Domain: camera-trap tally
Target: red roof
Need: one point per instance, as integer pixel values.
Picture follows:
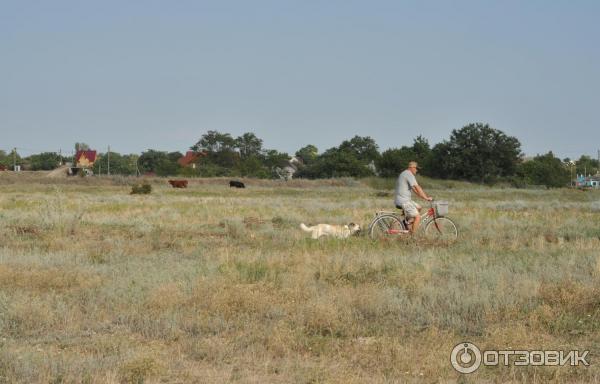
(90, 155)
(190, 157)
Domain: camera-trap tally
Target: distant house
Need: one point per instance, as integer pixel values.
(288, 171)
(2, 167)
(85, 159)
(593, 182)
(190, 159)
(82, 163)
(588, 181)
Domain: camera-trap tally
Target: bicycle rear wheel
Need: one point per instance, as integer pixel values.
(441, 228)
(386, 226)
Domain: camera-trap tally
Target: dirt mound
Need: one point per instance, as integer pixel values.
(58, 172)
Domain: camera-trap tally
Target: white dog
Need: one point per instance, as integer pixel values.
(339, 231)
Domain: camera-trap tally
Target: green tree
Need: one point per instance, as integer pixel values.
(119, 164)
(364, 149)
(335, 162)
(307, 154)
(350, 159)
(210, 169)
(253, 166)
(81, 147)
(274, 158)
(222, 159)
(150, 160)
(248, 145)
(44, 161)
(225, 158)
(7, 159)
(422, 151)
(170, 166)
(214, 141)
(478, 153)
(545, 170)
(587, 165)
(159, 162)
(395, 160)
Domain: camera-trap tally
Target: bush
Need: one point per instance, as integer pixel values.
(141, 189)
(138, 370)
(476, 152)
(546, 170)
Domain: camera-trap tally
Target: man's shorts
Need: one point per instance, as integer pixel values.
(411, 209)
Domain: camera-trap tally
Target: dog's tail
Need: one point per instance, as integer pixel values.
(304, 227)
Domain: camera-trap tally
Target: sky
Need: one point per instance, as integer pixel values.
(158, 74)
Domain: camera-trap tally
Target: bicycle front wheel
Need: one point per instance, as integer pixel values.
(441, 228)
(386, 226)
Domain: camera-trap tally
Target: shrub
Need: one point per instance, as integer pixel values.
(138, 370)
(141, 189)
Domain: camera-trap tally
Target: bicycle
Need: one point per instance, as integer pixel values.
(435, 224)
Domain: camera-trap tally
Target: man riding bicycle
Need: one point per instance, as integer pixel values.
(404, 185)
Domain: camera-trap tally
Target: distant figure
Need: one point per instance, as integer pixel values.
(405, 184)
(178, 183)
(237, 184)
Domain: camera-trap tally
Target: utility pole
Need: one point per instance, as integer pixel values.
(14, 159)
(108, 157)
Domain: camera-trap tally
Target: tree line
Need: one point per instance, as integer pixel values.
(475, 152)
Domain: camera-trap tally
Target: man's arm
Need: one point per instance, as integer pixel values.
(419, 191)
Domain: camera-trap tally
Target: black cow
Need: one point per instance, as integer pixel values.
(237, 184)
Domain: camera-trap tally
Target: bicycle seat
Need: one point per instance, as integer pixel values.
(399, 207)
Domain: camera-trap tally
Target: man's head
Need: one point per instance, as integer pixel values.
(413, 167)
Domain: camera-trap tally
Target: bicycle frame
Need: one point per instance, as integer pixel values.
(386, 223)
(429, 216)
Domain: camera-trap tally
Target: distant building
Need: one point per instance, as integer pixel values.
(190, 159)
(85, 159)
(373, 168)
(287, 172)
(588, 181)
(83, 163)
(2, 167)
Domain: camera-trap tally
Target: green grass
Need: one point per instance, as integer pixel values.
(212, 284)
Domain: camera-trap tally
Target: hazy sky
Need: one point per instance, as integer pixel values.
(158, 74)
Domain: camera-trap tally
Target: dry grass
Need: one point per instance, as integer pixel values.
(212, 284)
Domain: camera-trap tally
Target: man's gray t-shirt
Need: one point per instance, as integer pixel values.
(406, 181)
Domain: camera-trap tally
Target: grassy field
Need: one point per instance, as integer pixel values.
(212, 284)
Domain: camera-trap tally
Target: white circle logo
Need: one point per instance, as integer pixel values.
(465, 357)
